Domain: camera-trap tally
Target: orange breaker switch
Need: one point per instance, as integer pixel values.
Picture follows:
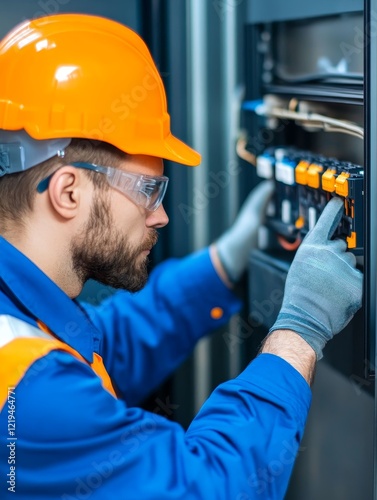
(314, 179)
(341, 184)
(301, 172)
(351, 240)
(328, 180)
(300, 222)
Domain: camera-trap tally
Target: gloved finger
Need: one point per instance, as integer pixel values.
(255, 205)
(259, 196)
(328, 221)
(339, 247)
(350, 259)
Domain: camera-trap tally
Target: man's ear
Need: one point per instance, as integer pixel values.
(65, 191)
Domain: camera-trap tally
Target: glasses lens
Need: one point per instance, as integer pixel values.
(144, 190)
(150, 192)
(157, 195)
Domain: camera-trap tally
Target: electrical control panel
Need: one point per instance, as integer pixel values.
(305, 182)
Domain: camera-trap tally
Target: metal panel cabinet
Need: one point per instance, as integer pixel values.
(323, 56)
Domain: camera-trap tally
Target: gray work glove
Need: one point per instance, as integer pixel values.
(234, 246)
(323, 290)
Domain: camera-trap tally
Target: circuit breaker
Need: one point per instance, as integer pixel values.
(304, 183)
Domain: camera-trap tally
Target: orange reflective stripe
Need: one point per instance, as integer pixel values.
(97, 366)
(17, 356)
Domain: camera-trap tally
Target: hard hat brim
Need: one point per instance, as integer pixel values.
(177, 151)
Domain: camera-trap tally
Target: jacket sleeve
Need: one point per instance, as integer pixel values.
(146, 335)
(74, 440)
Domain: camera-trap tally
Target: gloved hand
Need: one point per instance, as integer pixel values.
(234, 245)
(323, 290)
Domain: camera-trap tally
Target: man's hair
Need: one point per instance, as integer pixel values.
(18, 191)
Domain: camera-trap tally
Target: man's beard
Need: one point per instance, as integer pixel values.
(106, 256)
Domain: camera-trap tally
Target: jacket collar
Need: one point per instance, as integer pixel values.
(32, 290)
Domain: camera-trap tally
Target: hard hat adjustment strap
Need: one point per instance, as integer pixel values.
(11, 158)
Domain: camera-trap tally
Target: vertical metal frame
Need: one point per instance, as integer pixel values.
(214, 103)
(198, 73)
(370, 102)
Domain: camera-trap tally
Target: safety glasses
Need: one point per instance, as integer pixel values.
(145, 190)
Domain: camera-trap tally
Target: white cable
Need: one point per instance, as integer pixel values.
(314, 120)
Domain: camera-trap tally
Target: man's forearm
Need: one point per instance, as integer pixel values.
(293, 349)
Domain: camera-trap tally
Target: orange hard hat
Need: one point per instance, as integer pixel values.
(76, 75)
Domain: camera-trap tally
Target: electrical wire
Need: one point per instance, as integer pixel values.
(313, 120)
(329, 128)
(307, 120)
(291, 247)
(244, 153)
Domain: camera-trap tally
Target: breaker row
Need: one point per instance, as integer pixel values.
(305, 182)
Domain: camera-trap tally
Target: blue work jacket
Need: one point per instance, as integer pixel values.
(73, 440)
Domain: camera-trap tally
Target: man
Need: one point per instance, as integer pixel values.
(84, 129)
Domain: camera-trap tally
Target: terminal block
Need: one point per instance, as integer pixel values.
(305, 182)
